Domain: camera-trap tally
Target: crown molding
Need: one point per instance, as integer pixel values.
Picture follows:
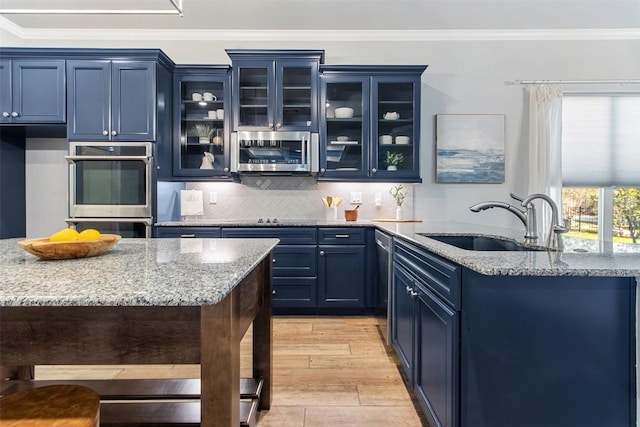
(321, 35)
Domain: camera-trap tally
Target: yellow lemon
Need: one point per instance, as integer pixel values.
(64, 235)
(89, 234)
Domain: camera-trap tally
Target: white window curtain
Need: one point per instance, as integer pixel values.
(545, 148)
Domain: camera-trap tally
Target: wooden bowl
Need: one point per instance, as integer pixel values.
(45, 249)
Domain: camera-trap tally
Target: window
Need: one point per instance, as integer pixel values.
(601, 166)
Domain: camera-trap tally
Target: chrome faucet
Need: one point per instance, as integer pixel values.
(527, 216)
(554, 239)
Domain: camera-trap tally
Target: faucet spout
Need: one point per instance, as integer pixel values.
(493, 204)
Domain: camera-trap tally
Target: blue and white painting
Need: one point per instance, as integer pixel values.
(470, 148)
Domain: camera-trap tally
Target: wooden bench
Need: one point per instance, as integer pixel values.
(52, 405)
(141, 402)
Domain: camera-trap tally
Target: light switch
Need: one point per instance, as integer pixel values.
(213, 198)
(356, 197)
(378, 199)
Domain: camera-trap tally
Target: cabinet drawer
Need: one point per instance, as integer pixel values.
(341, 236)
(440, 275)
(294, 292)
(294, 261)
(186, 232)
(287, 235)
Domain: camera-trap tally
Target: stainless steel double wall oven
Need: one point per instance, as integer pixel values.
(111, 187)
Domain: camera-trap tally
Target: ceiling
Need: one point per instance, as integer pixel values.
(334, 16)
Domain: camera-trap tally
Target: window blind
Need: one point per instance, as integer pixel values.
(601, 140)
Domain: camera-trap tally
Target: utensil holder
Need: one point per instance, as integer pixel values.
(332, 214)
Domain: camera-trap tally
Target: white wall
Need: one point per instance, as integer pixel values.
(46, 185)
(463, 77)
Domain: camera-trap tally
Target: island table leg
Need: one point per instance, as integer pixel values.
(220, 364)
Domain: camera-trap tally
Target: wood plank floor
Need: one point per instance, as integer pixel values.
(328, 371)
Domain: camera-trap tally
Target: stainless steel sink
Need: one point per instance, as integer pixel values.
(473, 242)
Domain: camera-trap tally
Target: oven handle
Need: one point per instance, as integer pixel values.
(72, 159)
(145, 221)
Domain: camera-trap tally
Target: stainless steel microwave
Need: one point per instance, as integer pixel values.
(274, 152)
(110, 179)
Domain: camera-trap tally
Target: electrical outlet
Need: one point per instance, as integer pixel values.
(213, 198)
(377, 199)
(356, 197)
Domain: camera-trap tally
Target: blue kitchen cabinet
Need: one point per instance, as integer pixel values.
(188, 232)
(193, 112)
(275, 90)
(385, 123)
(341, 267)
(499, 351)
(111, 100)
(12, 182)
(32, 91)
(425, 331)
(294, 268)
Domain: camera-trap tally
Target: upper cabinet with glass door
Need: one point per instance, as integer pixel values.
(379, 141)
(275, 90)
(201, 134)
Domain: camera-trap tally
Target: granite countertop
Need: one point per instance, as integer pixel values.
(581, 257)
(135, 272)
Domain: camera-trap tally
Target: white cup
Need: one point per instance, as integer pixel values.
(386, 139)
(220, 113)
(196, 96)
(212, 114)
(208, 96)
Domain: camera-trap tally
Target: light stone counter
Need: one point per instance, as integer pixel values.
(135, 272)
(581, 257)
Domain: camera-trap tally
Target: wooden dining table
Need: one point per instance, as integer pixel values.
(146, 301)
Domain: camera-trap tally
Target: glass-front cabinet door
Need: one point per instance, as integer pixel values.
(395, 127)
(297, 95)
(371, 123)
(275, 90)
(344, 149)
(201, 142)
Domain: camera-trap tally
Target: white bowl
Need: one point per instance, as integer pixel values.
(343, 112)
(402, 139)
(386, 139)
(342, 138)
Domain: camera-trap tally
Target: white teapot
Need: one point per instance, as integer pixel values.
(207, 161)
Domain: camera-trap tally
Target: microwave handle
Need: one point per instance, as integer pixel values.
(72, 159)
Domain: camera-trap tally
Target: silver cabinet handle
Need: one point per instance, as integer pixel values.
(14, 114)
(274, 260)
(322, 253)
(323, 170)
(187, 236)
(374, 170)
(226, 169)
(342, 236)
(270, 125)
(273, 292)
(413, 293)
(5, 114)
(105, 132)
(278, 125)
(408, 289)
(114, 133)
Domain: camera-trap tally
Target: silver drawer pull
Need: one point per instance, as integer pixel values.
(342, 236)
(187, 236)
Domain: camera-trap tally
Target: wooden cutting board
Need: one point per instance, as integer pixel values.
(395, 220)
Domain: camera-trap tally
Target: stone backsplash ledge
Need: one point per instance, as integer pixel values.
(284, 198)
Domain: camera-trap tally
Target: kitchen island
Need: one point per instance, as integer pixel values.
(154, 301)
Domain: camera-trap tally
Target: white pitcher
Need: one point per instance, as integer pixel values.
(207, 161)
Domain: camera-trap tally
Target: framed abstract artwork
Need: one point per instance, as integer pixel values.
(470, 148)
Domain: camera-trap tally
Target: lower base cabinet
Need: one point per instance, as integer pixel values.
(425, 336)
(341, 279)
(504, 351)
